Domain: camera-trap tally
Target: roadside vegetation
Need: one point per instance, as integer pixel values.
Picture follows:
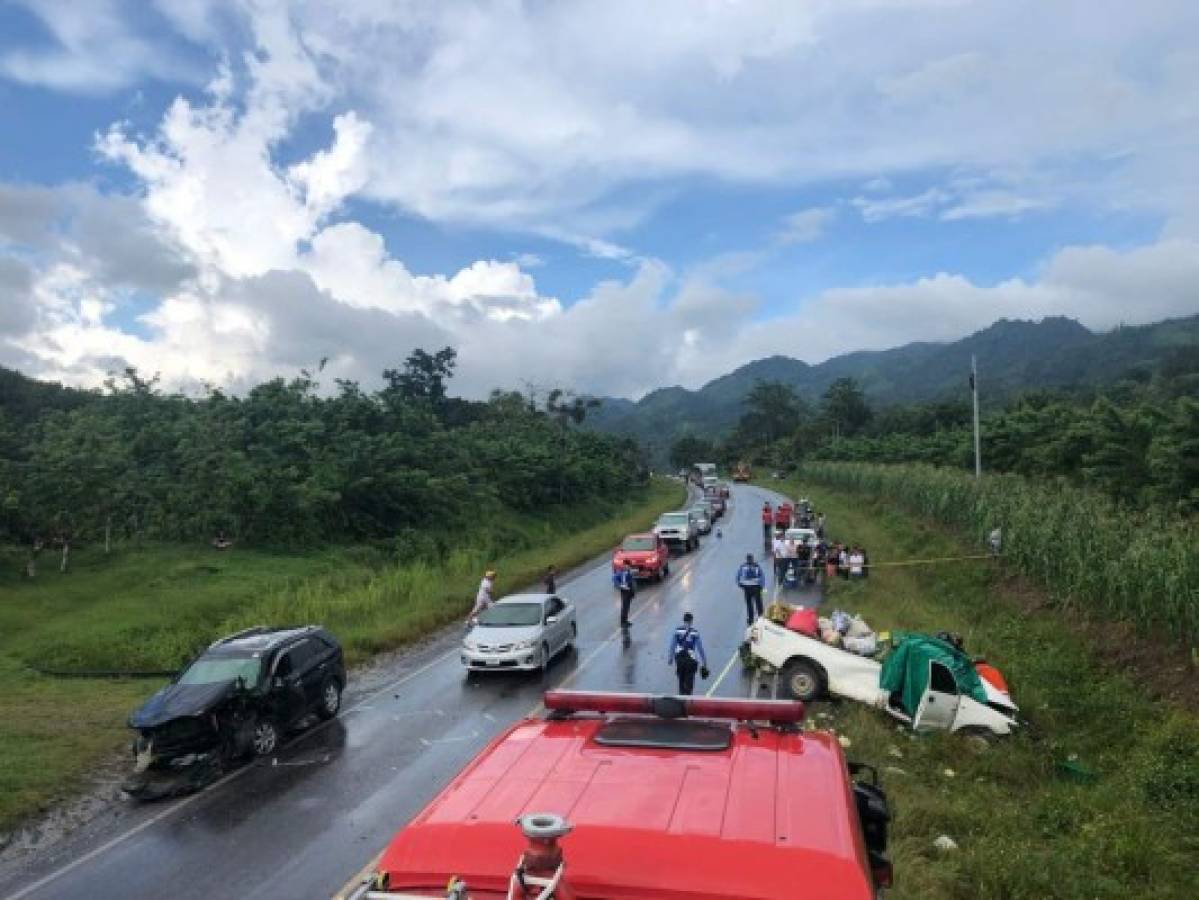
(1099, 798)
(153, 607)
(1134, 440)
(1091, 553)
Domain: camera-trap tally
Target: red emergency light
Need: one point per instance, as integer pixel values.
(669, 707)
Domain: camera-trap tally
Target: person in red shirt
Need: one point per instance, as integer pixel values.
(767, 521)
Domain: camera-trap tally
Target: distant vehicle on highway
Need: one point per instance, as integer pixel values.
(742, 472)
(648, 553)
(705, 515)
(716, 499)
(520, 632)
(236, 699)
(678, 529)
(668, 797)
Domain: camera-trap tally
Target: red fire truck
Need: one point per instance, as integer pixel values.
(621, 796)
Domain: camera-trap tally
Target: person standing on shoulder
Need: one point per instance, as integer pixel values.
(686, 654)
(751, 580)
(767, 520)
(550, 580)
(485, 596)
(779, 551)
(626, 582)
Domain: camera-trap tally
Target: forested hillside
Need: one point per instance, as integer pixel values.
(1014, 357)
(1135, 439)
(287, 464)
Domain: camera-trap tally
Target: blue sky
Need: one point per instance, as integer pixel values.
(588, 194)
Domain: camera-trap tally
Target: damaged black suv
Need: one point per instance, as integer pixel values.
(235, 700)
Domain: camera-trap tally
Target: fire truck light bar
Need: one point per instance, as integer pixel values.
(776, 711)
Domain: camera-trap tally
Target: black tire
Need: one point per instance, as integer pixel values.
(574, 634)
(977, 738)
(545, 657)
(666, 570)
(264, 737)
(802, 680)
(329, 704)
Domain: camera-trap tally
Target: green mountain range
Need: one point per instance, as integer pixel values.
(1013, 356)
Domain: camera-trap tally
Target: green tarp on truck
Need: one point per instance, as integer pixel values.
(905, 670)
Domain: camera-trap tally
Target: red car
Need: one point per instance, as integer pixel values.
(621, 796)
(647, 552)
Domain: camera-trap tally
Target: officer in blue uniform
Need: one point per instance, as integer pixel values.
(686, 654)
(751, 580)
(626, 582)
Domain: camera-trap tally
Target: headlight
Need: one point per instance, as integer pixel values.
(469, 645)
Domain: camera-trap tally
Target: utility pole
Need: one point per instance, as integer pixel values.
(978, 460)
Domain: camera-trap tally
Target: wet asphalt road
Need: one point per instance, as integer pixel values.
(301, 825)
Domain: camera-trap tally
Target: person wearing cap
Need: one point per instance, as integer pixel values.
(686, 654)
(483, 598)
(751, 580)
(625, 579)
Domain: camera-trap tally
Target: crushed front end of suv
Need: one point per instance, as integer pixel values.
(236, 699)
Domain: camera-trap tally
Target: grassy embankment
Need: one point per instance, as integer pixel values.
(1024, 828)
(152, 608)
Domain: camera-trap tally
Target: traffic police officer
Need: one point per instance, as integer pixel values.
(686, 654)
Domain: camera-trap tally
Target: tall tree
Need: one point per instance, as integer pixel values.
(843, 406)
(772, 410)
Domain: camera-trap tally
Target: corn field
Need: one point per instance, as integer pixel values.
(1088, 550)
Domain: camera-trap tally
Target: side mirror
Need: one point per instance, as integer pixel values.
(551, 620)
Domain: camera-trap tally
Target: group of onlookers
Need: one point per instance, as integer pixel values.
(810, 560)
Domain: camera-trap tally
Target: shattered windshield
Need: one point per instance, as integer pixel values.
(213, 670)
(510, 614)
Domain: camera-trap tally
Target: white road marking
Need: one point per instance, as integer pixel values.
(450, 740)
(725, 671)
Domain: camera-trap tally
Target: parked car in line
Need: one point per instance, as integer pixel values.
(942, 691)
(713, 497)
(648, 553)
(522, 632)
(238, 698)
(703, 515)
(678, 529)
(667, 798)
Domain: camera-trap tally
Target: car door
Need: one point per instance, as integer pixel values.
(312, 658)
(939, 703)
(558, 629)
(286, 686)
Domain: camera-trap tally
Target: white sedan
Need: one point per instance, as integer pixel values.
(523, 632)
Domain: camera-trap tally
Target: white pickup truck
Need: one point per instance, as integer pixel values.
(810, 668)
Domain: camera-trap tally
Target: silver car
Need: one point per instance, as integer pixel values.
(703, 514)
(523, 632)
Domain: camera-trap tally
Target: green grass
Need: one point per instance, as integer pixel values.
(155, 607)
(1023, 830)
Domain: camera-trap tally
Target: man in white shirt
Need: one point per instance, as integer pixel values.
(857, 560)
(778, 549)
(483, 598)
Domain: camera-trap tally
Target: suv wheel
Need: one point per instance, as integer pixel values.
(545, 657)
(574, 634)
(330, 703)
(264, 738)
